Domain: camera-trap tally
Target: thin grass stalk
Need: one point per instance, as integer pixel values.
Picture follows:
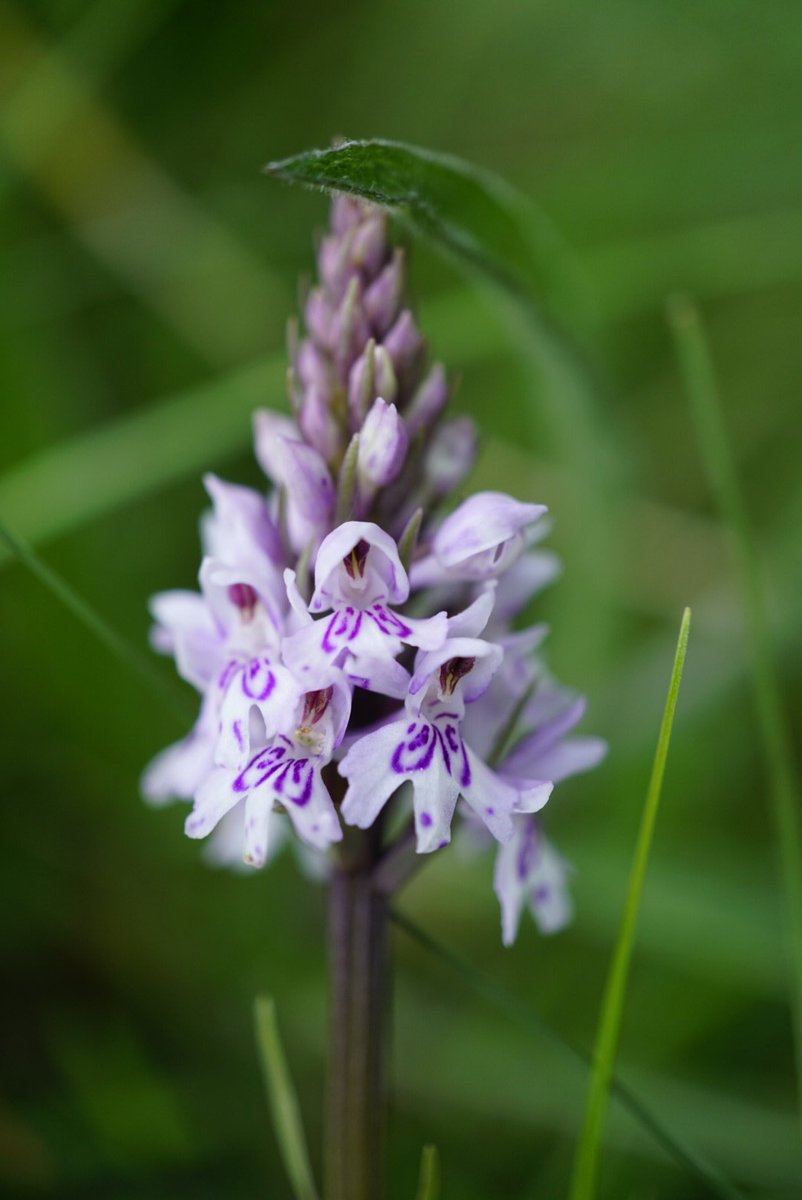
(586, 1163)
(784, 786)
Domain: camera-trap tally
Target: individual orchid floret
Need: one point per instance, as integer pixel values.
(529, 873)
(382, 448)
(240, 531)
(427, 749)
(301, 471)
(359, 575)
(286, 772)
(479, 540)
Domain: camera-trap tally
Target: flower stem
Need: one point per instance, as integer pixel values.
(358, 964)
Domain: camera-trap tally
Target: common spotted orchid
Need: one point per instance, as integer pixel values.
(358, 628)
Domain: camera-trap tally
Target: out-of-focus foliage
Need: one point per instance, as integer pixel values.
(148, 268)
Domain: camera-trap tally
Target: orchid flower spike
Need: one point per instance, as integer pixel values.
(347, 639)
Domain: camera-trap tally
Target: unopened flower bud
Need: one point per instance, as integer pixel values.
(334, 262)
(382, 445)
(345, 213)
(349, 331)
(369, 245)
(405, 344)
(318, 423)
(428, 402)
(371, 376)
(383, 297)
(311, 367)
(451, 455)
(319, 318)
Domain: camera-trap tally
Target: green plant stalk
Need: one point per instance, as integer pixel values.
(429, 1183)
(784, 786)
(283, 1101)
(586, 1163)
(358, 968)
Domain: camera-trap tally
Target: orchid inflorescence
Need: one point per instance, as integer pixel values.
(349, 637)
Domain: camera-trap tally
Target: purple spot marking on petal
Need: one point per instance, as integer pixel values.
(336, 629)
(388, 622)
(237, 728)
(541, 894)
(417, 753)
(527, 854)
(258, 681)
(226, 674)
(490, 810)
(356, 626)
(426, 819)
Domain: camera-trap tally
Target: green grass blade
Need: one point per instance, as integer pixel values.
(64, 486)
(96, 624)
(785, 791)
(429, 1183)
(528, 1019)
(283, 1101)
(586, 1165)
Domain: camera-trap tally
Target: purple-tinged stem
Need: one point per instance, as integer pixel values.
(358, 963)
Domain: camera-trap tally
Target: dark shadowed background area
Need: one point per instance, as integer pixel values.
(147, 269)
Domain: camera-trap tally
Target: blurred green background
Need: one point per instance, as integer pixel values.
(147, 272)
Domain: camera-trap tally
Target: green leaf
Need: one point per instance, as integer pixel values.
(283, 1101)
(527, 1018)
(470, 212)
(586, 1164)
(784, 790)
(429, 1183)
(139, 663)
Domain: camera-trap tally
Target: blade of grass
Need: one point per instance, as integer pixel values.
(283, 1101)
(786, 795)
(429, 1183)
(586, 1164)
(527, 1018)
(96, 624)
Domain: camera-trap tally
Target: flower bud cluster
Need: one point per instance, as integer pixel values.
(351, 643)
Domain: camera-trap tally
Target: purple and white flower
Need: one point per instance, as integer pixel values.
(529, 873)
(480, 540)
(426, 748)
(286, 771)
(358, 578)
(304, 598)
